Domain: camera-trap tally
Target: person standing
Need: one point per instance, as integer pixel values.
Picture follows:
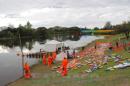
(64, 66)
(74, 53)
(68, 55)
(27, 73)
(44, 59)
(95, 46)
(117, 44)
(49, 60)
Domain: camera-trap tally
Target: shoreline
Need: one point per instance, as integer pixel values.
(21, 76)
(99, 77)
(92, 43)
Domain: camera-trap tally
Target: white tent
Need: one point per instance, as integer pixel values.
(51, 46)
(61, 56)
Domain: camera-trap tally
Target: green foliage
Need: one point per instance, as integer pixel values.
(28, 25)
(123, 28)
(96, 28)
(108, 26)
(28, 35)
(41, 31)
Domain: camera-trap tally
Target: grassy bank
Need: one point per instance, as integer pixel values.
(44, 76)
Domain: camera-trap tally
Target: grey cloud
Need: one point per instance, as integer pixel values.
(20, 5)
(65, 12)
(12, 16)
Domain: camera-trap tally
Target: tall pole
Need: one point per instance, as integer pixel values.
(22, 53)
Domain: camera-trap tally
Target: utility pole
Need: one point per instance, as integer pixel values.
(21, 53)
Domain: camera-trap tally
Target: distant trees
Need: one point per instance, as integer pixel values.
(28, 25)
(107, 26)
(123, 28)
(41, 32)
(25, 31)
(126, 28)
(63, 30)
(120, 28)
(8, 33)
(28, 31)
(96, 28)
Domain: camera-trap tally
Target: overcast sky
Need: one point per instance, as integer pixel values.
(82, 13)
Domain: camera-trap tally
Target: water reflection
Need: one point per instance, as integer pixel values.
(29, 42)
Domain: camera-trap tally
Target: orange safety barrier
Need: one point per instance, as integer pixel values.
(99, 43)
(118, 49)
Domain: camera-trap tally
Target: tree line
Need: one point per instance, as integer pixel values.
(27, 31)
(119, 28)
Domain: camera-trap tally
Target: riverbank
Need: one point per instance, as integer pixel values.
(44, 76)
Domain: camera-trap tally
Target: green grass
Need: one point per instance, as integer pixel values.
(99, 77)
(77, 77)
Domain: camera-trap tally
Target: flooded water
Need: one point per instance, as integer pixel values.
(11, 64)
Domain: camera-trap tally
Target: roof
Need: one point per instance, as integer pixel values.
(52, 45)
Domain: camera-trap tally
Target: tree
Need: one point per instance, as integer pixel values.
(107, 26)
(126, 29)
(26, 30)
(28, 25)
(96, 28)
